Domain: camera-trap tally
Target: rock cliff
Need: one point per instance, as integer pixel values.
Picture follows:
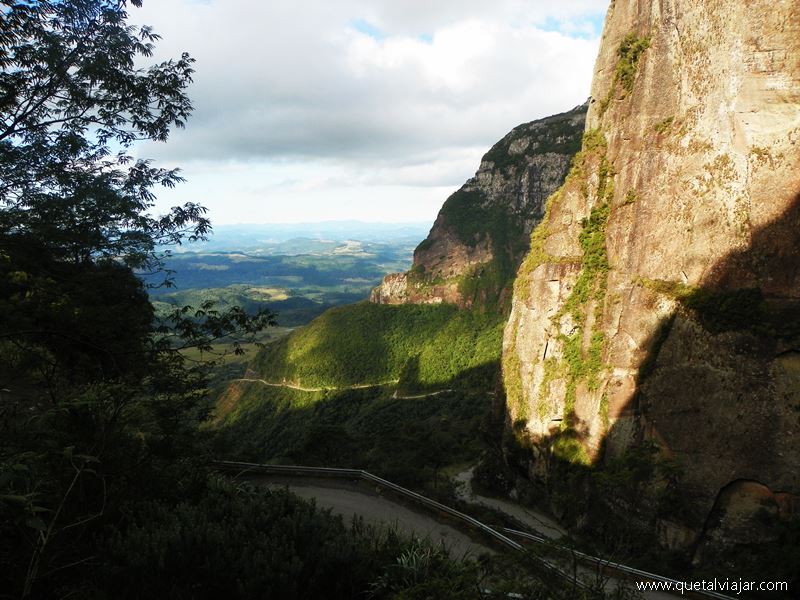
(659, 306)
(482, 231)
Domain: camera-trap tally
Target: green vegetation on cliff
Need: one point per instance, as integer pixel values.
(492, 213)
(579, 363)
(558, 134)
(582, 364)
(629, 53)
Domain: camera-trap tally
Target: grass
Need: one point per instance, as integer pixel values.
(594, 142)
(629, 53)
(604, 411)
(536, 255)
(570, 449)
(595, 265)
(512, 378)
(664, 126)
(552, 371)
(586, 364)
(630, 198)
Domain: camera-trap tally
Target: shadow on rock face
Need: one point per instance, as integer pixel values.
(703, 459)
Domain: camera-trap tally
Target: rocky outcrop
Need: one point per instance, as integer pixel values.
(482, 231)
(660, 301)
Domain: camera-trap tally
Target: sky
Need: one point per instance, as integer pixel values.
(375, 110)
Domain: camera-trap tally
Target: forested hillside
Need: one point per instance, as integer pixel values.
(415, 347)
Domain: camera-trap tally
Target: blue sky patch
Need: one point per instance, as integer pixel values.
(368, 28)
(587, 28)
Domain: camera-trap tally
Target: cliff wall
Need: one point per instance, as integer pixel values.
(482, 231)
(660, 301)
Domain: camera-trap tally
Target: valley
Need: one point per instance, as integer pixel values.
(297, 271)
(333, 392)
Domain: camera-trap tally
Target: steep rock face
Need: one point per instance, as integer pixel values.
(482, 231)
(660, 301)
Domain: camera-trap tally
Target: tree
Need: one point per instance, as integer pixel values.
(94, 392)
(69, 90)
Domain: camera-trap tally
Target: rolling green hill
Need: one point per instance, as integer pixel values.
(419, 346)
(430, 370)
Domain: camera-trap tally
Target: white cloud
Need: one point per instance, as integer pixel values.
(373, 92)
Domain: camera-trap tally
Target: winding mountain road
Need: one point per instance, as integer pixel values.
(536, 520)
(342, 498)
(376, 509)
(356, 386)
(300, 388)
(379, 510)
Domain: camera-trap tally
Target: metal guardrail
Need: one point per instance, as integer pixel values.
(618, 568)
(244, 467)
(624, 570)
(366, 476)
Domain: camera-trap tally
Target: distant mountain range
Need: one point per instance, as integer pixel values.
(248, 236)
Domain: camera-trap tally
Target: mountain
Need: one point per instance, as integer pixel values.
(403, 385)
(652, 356)
(482, 231)
(470, 255)
(275, 237)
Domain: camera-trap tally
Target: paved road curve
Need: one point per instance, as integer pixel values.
(536, 520)
(378, 510)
